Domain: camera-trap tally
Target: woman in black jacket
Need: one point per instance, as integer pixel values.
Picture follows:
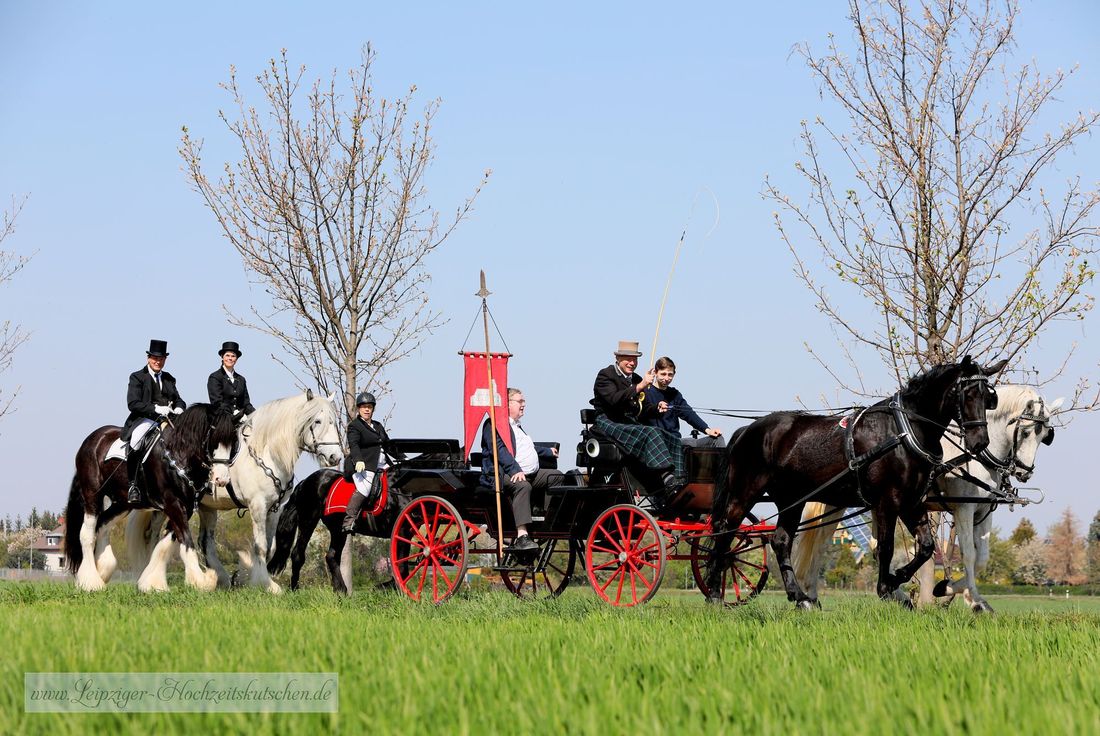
(227, 389)
(367, 440)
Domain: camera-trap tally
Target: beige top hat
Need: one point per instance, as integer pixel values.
(628, 348)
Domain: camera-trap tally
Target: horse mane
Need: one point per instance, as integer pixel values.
(1012, 401)
(187, 437)
(277, 425)
(922, 380)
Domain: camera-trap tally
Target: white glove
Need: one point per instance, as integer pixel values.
(162, 410)
(177, 410)
(360, 466)
(236, 412)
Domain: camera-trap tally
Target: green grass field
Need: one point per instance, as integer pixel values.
(487, 663)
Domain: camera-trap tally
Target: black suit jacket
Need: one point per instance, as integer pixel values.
(365, 444)
(142, 398)
(616, 398)
(226, 395)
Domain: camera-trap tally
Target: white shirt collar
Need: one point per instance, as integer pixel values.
(153, 373)
(620, 372)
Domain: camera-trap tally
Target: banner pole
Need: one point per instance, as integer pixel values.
(484, 293)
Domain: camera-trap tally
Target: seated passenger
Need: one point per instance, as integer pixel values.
(622, 414)
(519, 473)
(677, 407)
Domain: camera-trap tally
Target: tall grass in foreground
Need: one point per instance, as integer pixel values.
(488, 663)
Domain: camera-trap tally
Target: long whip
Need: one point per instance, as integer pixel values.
(676, 257)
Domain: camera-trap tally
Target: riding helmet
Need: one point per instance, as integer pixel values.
(365, 398)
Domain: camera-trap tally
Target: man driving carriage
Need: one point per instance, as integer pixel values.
(622, 413)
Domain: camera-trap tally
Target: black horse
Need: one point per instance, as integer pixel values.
(177, 466)
(883, 458)
(299, 518)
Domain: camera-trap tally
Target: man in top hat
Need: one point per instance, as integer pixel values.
(150, 397)
(226, 387)
(621, 409)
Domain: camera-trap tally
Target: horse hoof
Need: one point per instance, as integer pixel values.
(714, 600)
(943, 588)
(981, 607)
(804, 605)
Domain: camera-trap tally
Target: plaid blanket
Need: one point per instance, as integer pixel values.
(656, 448)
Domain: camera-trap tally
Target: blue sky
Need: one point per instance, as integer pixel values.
(601, 123)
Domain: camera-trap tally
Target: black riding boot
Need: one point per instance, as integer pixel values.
(355, 504)
(134, 495)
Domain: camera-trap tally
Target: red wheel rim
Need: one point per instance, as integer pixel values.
(625, 556)
(428, 550)
(548, 577)
(746, 573)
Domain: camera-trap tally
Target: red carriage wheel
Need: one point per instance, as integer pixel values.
(625, 555)
(548, 577)
(428, 551)
(746, 573)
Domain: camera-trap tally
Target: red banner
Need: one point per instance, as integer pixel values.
(475, 396)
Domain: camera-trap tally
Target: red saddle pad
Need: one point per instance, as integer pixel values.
(336, 501)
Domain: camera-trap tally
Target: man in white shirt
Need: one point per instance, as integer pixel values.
(519, 473)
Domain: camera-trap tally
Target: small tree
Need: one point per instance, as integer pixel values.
(1002, 560)
(11, 335)
(1023, 533)
(844, 570)
(1032, 566)
(1065, 550)
(327, 210)
(1093, 541)
(926, 208)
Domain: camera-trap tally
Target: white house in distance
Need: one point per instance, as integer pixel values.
(49, 544)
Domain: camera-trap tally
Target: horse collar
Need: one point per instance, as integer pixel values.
(905, 430)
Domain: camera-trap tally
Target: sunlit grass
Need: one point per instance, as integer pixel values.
(487, 663)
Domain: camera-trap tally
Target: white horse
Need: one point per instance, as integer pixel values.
(1017, 426)
(271, 441)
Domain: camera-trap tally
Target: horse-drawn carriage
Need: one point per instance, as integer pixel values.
(439, 518)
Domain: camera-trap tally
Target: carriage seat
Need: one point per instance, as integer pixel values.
(595, 448)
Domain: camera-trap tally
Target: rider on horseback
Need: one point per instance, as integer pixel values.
(367, 440)
(227, 388)
(150, 397)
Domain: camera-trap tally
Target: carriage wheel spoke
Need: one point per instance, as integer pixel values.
(611, 579)
(605, 565)
(607, 537)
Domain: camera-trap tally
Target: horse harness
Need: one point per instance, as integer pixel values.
(1006, 468)
(903, 437)
(280, 488)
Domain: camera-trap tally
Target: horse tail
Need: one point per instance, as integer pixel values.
(74, 520)
(297, 521)
(721, 478)
(809, 542)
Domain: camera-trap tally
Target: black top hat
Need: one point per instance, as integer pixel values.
(158, 349)
(230, 347)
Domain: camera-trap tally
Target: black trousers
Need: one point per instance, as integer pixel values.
(542, 479)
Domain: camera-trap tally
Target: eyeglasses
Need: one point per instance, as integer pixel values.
(521, 402)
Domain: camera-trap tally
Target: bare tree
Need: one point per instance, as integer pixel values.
(1065, 550)
(940, 209)
(11, 263)
(327, 209)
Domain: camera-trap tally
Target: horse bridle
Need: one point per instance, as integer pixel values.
(1009, 466)
(905, 427)
(317, 444)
